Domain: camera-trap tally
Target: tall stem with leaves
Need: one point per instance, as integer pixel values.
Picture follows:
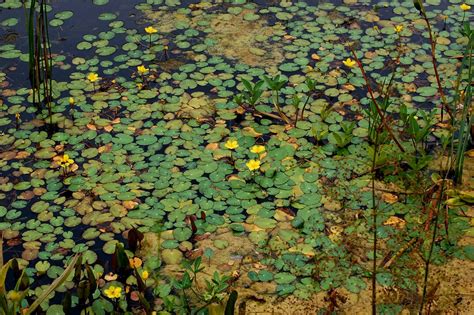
(276, 84)
(445, 105)
(383, 119)
(463, 98)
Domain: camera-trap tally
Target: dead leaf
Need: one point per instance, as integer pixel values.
(130, 204)
(396, 222)
(212, 146)
(389, 198)
(315, 57)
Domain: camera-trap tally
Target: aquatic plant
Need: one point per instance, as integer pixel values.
(276, 84)
(17, 300)
(39, 55)
(231, 144)
(253, 165)
(150, 30)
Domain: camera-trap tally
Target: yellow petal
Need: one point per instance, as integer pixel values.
(231, 144)
(257, 149)
(253, 165)
(465, 7)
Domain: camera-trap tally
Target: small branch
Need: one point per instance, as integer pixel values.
(399, 253)
(435, 68)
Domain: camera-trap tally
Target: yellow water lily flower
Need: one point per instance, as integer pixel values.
(142, 69)
(145, 275)
(151, 30)
(231, 144)
(257, 149)
(349, 63)
(398, 28)
(71, 101)
(113, 292)
(65, 161)
(135, 262)
(92, 77)
(465, 7)
(253, 165)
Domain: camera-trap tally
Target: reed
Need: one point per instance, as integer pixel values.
(40, 61)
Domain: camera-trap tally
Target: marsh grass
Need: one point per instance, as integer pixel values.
(40, 61)
(463, 99)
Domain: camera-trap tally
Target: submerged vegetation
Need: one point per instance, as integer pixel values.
(215, 158)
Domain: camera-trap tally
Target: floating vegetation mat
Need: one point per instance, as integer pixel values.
(151, 129)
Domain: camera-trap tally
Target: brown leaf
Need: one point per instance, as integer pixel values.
(315, 57)
(27, 195)
(389, 198)
(395, 222)
(22, 154)
(212, 146)
(108, 128)
(130, 204)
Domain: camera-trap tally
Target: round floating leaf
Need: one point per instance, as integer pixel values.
(355, 284)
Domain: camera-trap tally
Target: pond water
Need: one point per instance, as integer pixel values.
(159, 143)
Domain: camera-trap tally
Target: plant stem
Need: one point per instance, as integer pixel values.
(275, 102)
(433, 240)
(374, 227)
(445, 105)
(372, 96)
(302, 110)
(465, 121)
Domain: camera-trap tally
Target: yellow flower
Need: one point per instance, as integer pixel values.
(231, 144)
(65, 161)
(113, 292)
(257, 149)
(253, 165)
(376, 28)
(349, 62)
(71, 101)
(151, 30)
(465, 7)
(145, 275)
(135, 262)
(139, 86)
(92, 77)
(142, 69)
(398, 28)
